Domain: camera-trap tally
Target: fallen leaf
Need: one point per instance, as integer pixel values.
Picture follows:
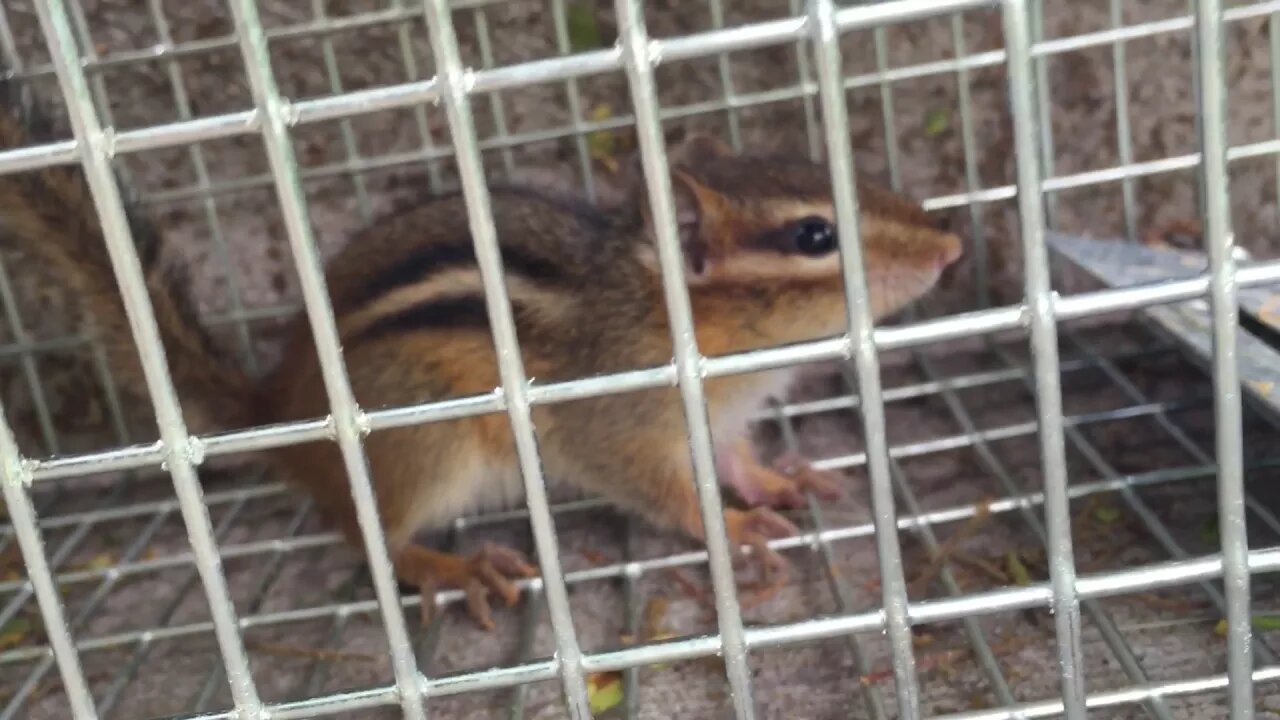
(13, 633)
(311, 653)
(1107, 515)
(655, 618)
(1260, 623)
(1209, 531)
(595, 557)
(602, 144)
(936, 122)
(1266, 623)
(604, 691)
(101, 561)
(584, 31)
(1017, 571)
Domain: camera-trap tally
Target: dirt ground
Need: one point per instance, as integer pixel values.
(241, 269)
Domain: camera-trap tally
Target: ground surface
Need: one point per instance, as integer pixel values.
(243, 270)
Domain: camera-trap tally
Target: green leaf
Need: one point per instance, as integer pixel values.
(1107, 515)
(1261, 623)
(603, 145)
(1266, 623)
(936, 122)
(1017, 570)
(584, 31)
(13, 632)
(604, 691)
(1209, 532)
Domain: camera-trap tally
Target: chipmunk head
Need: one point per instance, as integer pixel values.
(760, 221)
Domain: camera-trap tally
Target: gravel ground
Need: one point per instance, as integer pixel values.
(924, 154)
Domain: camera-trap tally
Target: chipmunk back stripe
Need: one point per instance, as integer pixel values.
(427, 260)
(423, 263)
(449, 313)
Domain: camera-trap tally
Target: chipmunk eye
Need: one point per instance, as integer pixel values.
(815, 236)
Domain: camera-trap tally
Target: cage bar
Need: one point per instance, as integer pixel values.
(14, 484)
(506, 346)
(1044, 346)
(963, 325)
(839, 588)
(1114, 639)
(639, 57)
(739, 38)
(107, 201)
(1220, 240)
(835, 120)
(345, 420)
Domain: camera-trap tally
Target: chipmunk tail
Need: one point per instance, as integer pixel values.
(48, 214)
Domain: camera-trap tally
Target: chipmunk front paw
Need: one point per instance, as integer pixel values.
(782, 486)
(754, 529)
(489, 570)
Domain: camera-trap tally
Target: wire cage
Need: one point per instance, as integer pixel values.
(1052, 508)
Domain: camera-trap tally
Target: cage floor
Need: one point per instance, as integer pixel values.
(966, 473)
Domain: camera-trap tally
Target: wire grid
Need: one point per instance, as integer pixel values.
(453, 87)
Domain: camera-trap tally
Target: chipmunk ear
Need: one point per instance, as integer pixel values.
(703, 216)
(698, 148)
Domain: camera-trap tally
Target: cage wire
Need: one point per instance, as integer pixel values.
(1006, 450)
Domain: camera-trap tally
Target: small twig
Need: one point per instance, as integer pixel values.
(1172, 604)
(1012, 645)
(944, 659)
(926, 662)
(690, 588)
(309, 653)
(1101, 561)
(595, 558)
(982, 564)
(944, 553)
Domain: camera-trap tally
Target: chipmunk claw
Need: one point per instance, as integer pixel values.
(823, 483)
(781, 486)
(754, 529)
(486, 572)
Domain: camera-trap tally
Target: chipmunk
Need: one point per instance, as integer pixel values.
(762, 266)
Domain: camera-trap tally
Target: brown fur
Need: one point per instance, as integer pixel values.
(49, 214)
(587, 299)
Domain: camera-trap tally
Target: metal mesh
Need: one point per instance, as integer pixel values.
(1014, 462)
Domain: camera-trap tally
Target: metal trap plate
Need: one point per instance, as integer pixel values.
(1119, 264)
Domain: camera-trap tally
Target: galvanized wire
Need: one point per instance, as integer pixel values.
(178, 452)
(893, 584)
(345, 420)
(637, 55)
(832, 535)
(1219, 239)
(639, 59)
(511, 370)
(1044, 348)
